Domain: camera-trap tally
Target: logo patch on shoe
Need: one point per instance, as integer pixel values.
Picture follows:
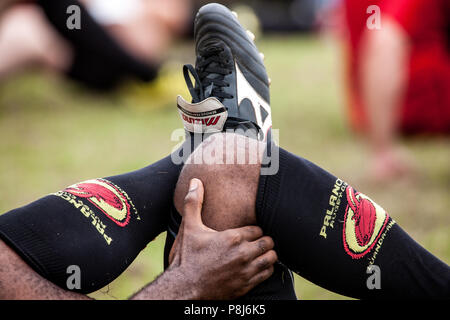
(208, 115)
(261, 108)
(107, 197)
(364, 222)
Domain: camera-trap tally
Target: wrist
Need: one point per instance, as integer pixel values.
(172, 284)
(182, 286)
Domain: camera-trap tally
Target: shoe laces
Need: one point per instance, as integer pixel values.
(209, 75)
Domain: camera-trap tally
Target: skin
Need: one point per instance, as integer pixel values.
(227, 180)
(383, 80)
(5, 4)
(20, 48)
(205, 264)
(233, 185)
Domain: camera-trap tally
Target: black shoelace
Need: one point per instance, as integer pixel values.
(209, 76)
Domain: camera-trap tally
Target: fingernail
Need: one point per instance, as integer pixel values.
(193, 185)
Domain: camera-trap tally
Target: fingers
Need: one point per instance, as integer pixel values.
(248, 250)
(174, 255)
(260, 277)
(262, 268)
(259, 247)
(193, 204)
(263, 262)
(249, 233)
(265, 243)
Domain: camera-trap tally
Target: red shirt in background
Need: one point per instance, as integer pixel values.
(426, 106)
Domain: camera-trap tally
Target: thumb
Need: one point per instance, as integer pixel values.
(193, 203)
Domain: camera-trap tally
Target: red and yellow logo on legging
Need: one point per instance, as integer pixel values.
(364, 222)
(106, 196)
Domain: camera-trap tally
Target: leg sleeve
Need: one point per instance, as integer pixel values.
(330, 234)
(99, 225)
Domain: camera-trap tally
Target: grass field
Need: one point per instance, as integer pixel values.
(54, 134)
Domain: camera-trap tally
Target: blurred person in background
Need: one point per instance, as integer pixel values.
(115, 40)
(398, 76)
(118, 40)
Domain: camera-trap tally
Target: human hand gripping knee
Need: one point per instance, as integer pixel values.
(219, 265)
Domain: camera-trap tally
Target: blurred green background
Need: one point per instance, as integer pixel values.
(53, 134)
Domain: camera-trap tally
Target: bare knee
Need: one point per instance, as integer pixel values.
(229, 167)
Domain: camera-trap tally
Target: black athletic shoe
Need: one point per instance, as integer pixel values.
(231, 85)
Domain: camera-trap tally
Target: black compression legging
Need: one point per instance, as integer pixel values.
(323, 229)
(99, 225)
(329, 233)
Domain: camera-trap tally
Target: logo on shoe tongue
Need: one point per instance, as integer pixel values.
(364, 222)
(106, 196)
(208, 115)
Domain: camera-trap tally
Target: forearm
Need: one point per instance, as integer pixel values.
(170, 285)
